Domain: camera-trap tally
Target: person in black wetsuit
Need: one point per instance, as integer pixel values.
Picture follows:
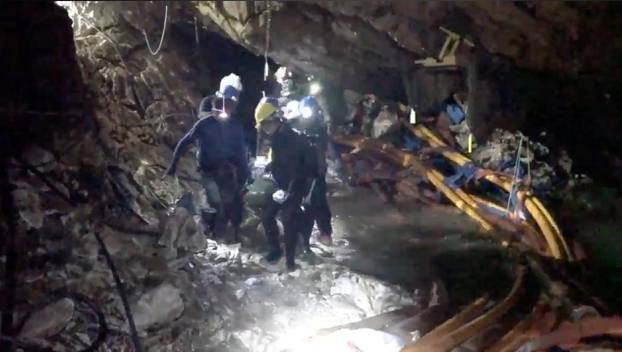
(293, 167)
(222, 157)
(310, 122)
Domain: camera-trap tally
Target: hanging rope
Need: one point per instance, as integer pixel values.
(196, 31)
(266, 70)
(515, 176)
(154, 53)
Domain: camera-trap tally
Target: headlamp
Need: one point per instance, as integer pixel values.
(315, 88)
(291, 110)
(306, 112)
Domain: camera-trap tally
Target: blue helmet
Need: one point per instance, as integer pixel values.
(309, 107)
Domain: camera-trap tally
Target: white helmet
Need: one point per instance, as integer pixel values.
(291, 110)
(230, 86)
(282, 73)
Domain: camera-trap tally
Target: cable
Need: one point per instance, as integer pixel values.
(266, 70)
(154, 53)
(104, 249)
(117, 280)
(196, 31)
(515, 176)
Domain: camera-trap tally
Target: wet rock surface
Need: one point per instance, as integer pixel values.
(390, 34)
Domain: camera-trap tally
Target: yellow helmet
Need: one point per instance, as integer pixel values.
(264, 110)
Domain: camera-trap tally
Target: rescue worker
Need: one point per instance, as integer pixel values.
(222, 156)
(309, 121)
(451, 112)
(293, 168)
(292, 85)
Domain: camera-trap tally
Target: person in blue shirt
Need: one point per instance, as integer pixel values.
(222, 157)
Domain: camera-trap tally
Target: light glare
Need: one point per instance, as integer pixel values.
(315, 88)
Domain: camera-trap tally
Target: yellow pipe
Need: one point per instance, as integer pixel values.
(458, 202)
(488, 203)
(530, 231)
(545, 221)
(511, 340)
(551, 221)
(427, 135)
(460, 199)
(423, 132)
(469, 313)
(550, 235)
(447, 341)
(547, 231)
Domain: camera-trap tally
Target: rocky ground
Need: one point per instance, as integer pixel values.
(211, 296)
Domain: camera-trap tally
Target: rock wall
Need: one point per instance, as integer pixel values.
(540, 66)
(90, 129)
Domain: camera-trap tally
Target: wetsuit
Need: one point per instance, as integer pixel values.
(293, 168)
(223, 165)
(319, 210)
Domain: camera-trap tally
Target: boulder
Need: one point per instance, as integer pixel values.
(160, 305)
(48, 321)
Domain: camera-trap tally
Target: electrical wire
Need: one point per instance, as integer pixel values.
(120, 288)
(154, 53)
(515, 176)
(111, 266)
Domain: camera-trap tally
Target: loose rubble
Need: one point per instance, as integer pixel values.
(49, 321)
(161, 305)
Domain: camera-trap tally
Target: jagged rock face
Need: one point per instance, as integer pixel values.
(540, 66)
(354, 41)
(92, 126)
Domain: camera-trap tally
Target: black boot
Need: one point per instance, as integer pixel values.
(274, 255)
(236, 234)
(291, 265)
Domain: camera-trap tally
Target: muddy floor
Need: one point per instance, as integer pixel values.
(380, 261)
